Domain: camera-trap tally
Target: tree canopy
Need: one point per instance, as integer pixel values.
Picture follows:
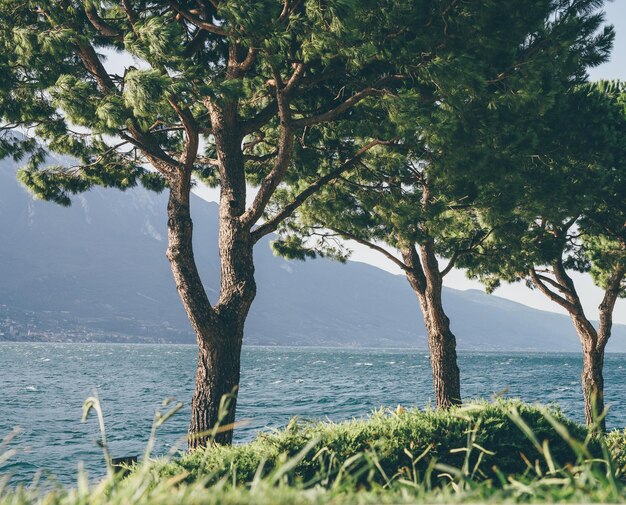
(323, 57)
(571, 206)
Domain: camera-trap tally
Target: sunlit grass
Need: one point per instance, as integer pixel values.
(505, 451)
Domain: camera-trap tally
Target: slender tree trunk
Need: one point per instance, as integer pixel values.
(593, 386)
(594, 344)
(442, 347)
(593, 341)
(425, 278)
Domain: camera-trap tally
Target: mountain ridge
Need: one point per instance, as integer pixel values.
(97, 272)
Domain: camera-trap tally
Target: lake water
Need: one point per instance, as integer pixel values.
(43, 386)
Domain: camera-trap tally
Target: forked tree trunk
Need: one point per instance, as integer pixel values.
(425, 278)
(219, 329)
(593, 341)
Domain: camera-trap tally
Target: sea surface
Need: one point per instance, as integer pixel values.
(43, 386)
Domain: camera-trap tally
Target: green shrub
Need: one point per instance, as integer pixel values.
(541, 458)
(616, 441)
(390, 445)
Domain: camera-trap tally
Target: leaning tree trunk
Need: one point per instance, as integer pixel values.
(426, 280)
(219, 329)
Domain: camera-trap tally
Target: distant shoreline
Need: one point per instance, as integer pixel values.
(306, 347)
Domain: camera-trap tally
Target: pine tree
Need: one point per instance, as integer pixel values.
(569, 215)
(434, 192)
(236, 94)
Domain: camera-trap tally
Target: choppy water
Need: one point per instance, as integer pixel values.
(42, 388)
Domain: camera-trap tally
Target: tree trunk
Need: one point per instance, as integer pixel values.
(214, 400)
(593, 386)
(593, 341)
(426, 280)
(217, 380)
(593, 345)
(219, 330)
(443, 358)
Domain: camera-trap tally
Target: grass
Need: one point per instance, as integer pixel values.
(500, 452)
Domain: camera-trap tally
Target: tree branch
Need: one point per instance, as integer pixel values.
(288, 8)
(260, 158)
(607, 305)
(272, 180)
(344, 106)
(199, 22)
(460, 252)
(550, 294)
(295, 78)
(245, 65)
(272, 224)
(142, 140)
(208, 161)
(130, 13)
(94, 66)
(415, 273)
(283, 158)
(100, 25)
(552, 282)
(452, 262)
(190, 152)
(371, 245)
(567, 283)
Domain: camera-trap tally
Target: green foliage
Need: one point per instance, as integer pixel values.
(568, 202)
(395, 442)
(145, 93)
(616, 442)
(51, 73)
(464, 131)
(375, 461)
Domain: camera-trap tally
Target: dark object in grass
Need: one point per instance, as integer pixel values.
(121, 465)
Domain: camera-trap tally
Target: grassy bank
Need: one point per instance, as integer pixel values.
(500, 452)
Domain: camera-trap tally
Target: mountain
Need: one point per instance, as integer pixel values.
(97, 272)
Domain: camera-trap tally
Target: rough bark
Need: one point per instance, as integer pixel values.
(594, 344)
(591, 377)
(425, 278)
(214, 400)
(219, 329)
(593, 341)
